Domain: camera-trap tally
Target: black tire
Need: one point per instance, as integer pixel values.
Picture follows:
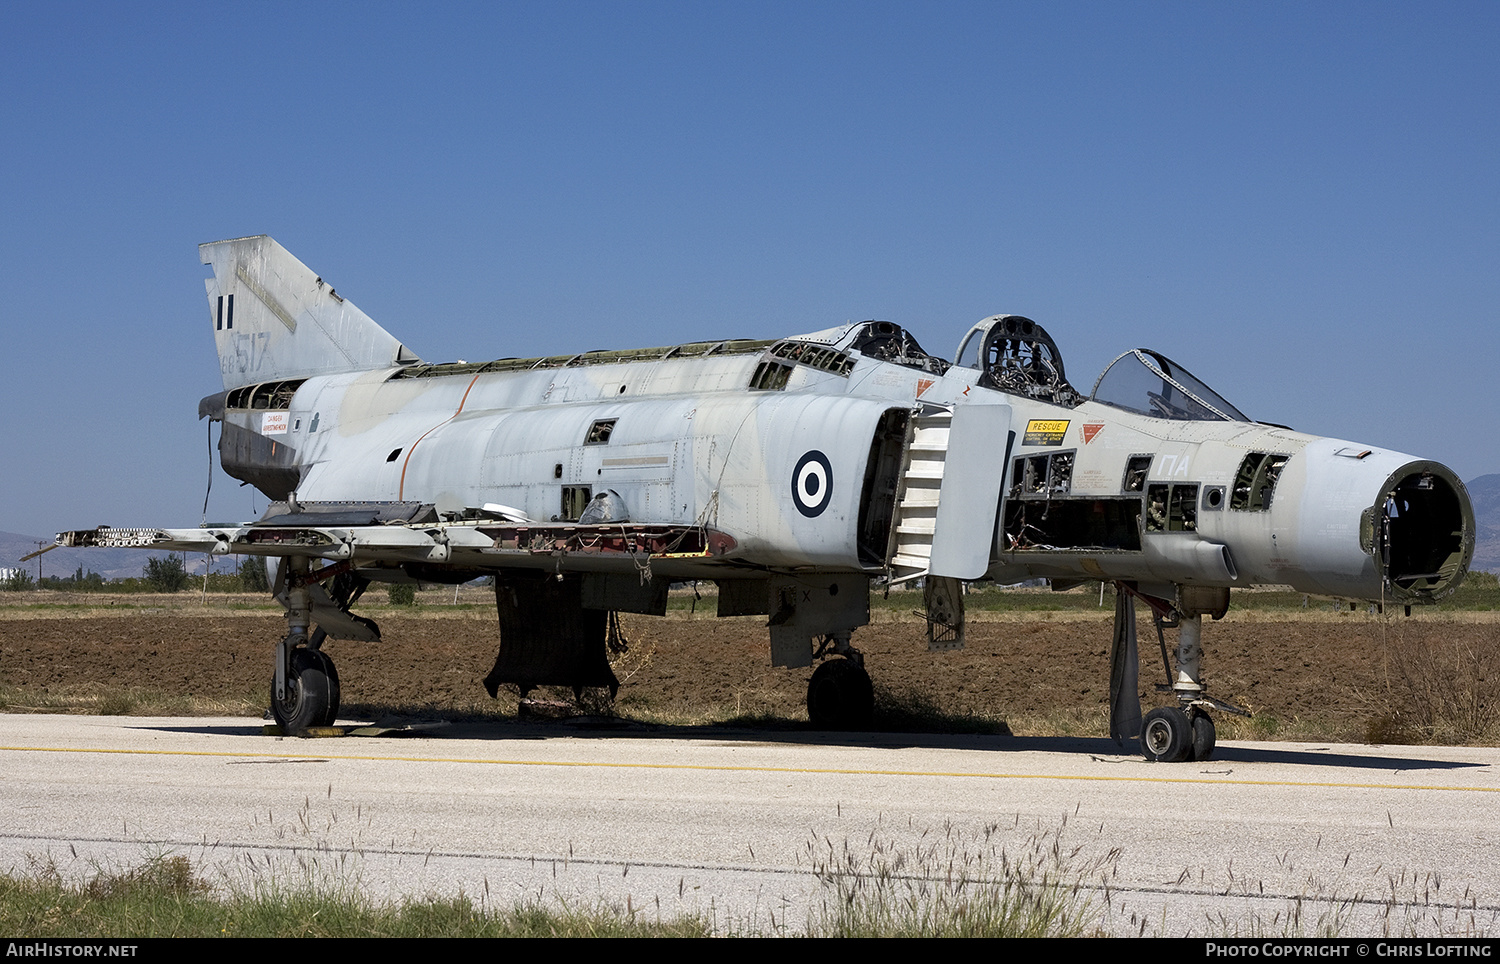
(840, 696)
(312, 692)
(1166, 735)
(1204, 738)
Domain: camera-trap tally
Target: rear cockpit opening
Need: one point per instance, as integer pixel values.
(1426, 535)
(890, 342)
(1015, 355)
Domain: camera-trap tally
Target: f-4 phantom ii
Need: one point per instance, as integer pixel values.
(792, 473)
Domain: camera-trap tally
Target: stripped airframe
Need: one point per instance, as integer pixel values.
(792, 473)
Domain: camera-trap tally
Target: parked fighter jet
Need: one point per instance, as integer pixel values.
(792, 473)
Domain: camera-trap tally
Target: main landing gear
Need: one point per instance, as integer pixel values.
(304, 683)
(307, 695)
(840, 695)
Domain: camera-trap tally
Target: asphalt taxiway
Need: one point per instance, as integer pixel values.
(736, 825)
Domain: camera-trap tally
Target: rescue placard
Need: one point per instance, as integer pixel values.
(1045, 431)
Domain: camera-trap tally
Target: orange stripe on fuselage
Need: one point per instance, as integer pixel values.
(401, 489)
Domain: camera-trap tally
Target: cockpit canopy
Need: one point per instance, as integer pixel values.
(1016, 355)
(1150, 383)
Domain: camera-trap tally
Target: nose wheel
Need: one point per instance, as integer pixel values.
(1170, 734)
(1165, 735)
(1204, 738)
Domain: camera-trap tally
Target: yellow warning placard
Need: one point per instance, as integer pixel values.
(1045, 431)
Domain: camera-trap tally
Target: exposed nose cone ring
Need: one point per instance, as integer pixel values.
(1422, 532)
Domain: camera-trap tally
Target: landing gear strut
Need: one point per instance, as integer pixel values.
(1198, 735)
(1171, 733)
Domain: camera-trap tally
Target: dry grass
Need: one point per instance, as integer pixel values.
(105, 699)
(1443, 691)
(945, 883)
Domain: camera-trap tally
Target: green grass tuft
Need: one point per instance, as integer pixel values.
(164, 898)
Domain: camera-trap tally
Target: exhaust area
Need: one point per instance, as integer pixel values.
(1426, 536)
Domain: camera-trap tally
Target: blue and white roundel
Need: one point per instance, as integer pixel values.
(812, 483)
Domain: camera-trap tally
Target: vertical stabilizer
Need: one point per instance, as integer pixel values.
(274, 319)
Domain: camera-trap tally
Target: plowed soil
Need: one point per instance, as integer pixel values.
(1321, 675)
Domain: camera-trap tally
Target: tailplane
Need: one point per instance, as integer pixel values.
(274, 319)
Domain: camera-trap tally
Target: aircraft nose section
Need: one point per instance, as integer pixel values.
(1421, 531)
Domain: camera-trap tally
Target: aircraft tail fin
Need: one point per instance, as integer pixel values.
(274, 319)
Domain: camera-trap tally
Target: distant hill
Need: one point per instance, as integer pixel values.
(1485, 491)
(109, 563)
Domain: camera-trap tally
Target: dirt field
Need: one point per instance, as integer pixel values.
(1319, 675)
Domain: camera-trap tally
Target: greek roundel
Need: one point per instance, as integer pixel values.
(812, 483)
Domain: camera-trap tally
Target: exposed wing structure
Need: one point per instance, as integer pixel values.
(479, 546)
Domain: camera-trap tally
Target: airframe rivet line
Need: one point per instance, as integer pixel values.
(705, 767)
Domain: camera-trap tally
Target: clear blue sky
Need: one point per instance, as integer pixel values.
(1298, 202)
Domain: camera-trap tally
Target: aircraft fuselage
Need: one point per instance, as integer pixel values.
(1089, 491)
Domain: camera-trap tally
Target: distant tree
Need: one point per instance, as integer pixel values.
(18, 581)
(253, 577)
(1479, 579)
(402, 594)
(166, 575)
(80, 580)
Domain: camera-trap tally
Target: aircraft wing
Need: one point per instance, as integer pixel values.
(477, 545)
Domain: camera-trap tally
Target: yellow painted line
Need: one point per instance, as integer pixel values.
(728, 768)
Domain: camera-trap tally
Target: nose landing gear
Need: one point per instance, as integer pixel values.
(1172, 734)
